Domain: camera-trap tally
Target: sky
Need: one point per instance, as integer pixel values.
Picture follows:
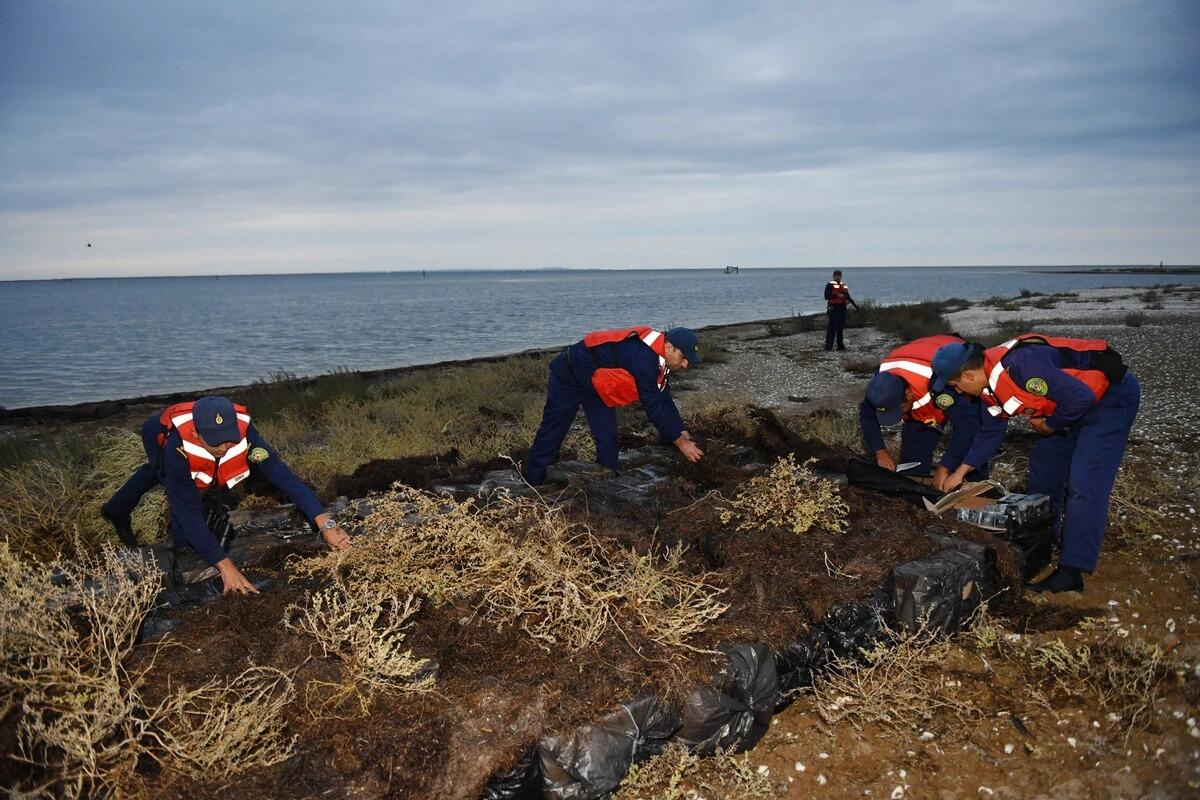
(183, 138)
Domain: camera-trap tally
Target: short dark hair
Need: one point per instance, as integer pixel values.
(974, 360)
(837, 272)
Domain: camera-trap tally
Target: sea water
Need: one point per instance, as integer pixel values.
(69, 341)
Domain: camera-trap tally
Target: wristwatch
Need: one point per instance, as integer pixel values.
(329, 524)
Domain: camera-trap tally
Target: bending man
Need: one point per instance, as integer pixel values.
(1082, 400)
(605, 370)
(192, 447)
(900, 391)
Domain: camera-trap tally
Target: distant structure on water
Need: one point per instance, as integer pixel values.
(731, 270)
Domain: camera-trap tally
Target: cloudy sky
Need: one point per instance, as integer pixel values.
(199, 138)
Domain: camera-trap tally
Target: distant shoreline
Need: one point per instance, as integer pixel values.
(1180, 270)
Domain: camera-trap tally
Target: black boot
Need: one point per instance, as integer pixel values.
(124, 528)
(1063, 579)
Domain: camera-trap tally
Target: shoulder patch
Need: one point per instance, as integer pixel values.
(258, 455)
(1037, 386)
(944, 401)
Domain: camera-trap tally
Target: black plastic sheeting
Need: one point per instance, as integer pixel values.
(734, 711)
(938, 592)
(867, 475)
(591, 760)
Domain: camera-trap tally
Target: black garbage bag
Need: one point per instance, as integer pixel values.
(1034, 542)
(523, 781)
(938, 592)
(591, 760)
(844, 632)
(735, 710)
(867, 475)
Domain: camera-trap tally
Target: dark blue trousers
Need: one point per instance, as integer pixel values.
(143, 479)
(917, 443)
(564, 395)
(835, 326)
(1078, 467)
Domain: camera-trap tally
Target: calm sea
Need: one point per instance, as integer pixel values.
(72, 341)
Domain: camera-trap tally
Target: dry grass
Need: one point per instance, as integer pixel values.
(832, 428)
(677, 774)
(1135, 510)
(226, 726)
(481, 410)
(899, 682)
(52, 504)
(521, 563)
(367, 632)
(787, 495)
(67, 631)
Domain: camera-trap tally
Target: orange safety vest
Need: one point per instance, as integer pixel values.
(234, 466)
(840, 294)
(912, 362)
(1004, 397)
(615, 385)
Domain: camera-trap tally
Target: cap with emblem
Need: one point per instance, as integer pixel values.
(216, 420)
(885, 393)
(947, 362)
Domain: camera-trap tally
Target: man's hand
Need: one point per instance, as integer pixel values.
(689, 449)
(940, 474)
(233, 579)
(335, 537)
(954, 479)
(884, 459)
(1040, 426)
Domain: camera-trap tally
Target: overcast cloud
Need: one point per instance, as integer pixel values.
(188, 138)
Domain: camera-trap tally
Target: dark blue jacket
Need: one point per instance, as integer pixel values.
(635, 357)
(187, 515)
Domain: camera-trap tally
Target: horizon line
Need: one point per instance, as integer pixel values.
(1164, 267)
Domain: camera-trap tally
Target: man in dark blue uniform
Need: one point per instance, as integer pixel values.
(209, 443)
(605, 370)
(837, 296)
(1081, 399)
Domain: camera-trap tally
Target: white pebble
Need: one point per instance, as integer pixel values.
(1071, 741)
(1008, 749)
(897, 793)
(1095, 723)
(821, 779)
(986, 790)
(764, 770)
(822, 755)
(1171, 625)
(925, 737)
(903, 774)
(800, 766)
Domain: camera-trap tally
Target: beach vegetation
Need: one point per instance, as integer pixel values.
(788, 495)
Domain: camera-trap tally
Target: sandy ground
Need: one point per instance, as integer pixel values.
(1150, 593)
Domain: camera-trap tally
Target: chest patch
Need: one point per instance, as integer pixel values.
(1037, 386)
(944, 401)
(258, 455)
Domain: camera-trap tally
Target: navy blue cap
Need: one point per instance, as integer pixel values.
(885, 393)
(216, 420)
(947, 361)
(686, 340)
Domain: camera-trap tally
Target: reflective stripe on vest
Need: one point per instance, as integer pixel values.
(841, 294)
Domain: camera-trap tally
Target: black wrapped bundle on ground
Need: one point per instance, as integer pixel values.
(938, 592)
(733, 712)
(865, 475)
(591, 760)
(523, 781)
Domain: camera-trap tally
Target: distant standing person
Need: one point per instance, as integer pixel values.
(605, 370)
(192, 448)
(837, 296)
